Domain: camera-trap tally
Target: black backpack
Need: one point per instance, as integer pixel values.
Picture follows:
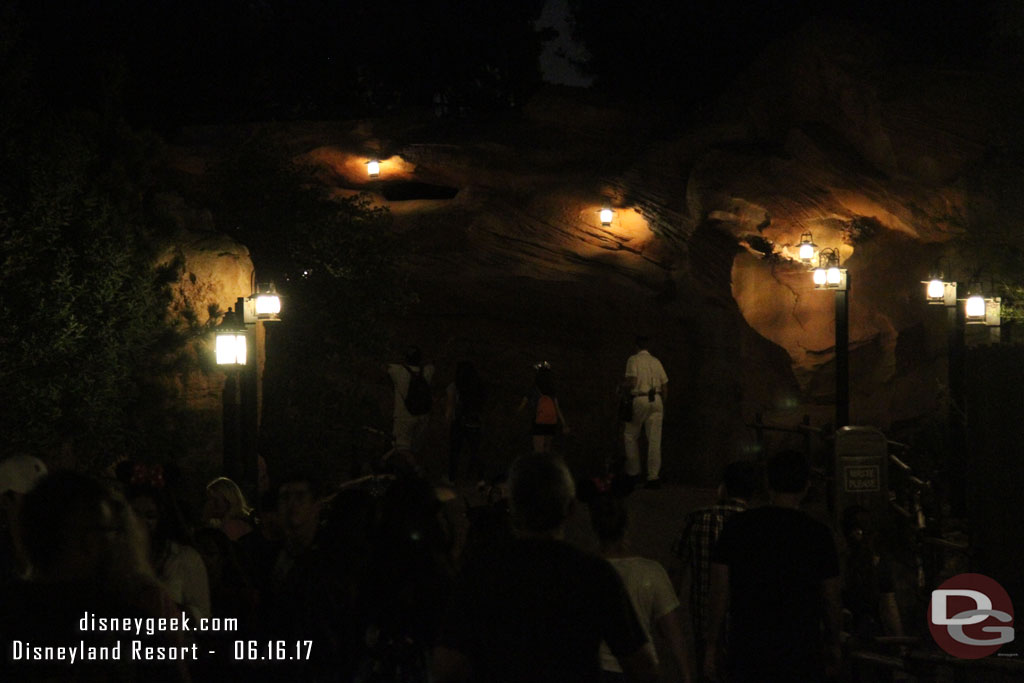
(417, 399)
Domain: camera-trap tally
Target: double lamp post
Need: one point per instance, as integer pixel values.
(240, 351)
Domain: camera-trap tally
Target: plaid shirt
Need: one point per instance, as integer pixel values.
(695, 545)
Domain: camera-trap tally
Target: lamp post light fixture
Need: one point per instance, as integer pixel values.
(828, 275)
(606, 213)
(939, 291)
(807, 247)
(266, 304)
(373, 168)
(231, 340)
(241, 344)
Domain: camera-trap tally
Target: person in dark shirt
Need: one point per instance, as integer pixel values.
(536, 609)
(776, 570)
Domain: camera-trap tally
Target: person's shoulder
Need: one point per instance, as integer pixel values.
(569, 555)
(649, 567)
(182, 553)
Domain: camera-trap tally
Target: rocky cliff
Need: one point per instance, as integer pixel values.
(501, 239)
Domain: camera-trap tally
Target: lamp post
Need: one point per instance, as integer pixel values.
(232, 353)
(240, 349)
(829, 276)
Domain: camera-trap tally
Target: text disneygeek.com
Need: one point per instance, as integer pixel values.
(139, 650)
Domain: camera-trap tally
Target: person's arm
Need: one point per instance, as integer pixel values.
(670, 626)
(718, 604)
(561, 418)
(831, 594)
(450, 665)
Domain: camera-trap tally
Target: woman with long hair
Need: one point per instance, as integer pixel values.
(227, 509)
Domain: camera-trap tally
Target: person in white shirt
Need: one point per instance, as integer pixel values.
(646, 581)
(647, 382)
(409, 429)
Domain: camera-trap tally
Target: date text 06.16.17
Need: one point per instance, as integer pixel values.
(273, 650)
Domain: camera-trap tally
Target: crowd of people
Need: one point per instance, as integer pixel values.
(643, 392)
(374, 583)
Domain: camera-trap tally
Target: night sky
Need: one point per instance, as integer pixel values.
(166, 63)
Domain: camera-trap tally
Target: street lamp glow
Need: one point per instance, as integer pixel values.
(268, 304)
(819, 277)
(606, 216)
(373, 168)
(230, 348)
(807, 247)
(975, 307)
(832, 277)
(936, 290)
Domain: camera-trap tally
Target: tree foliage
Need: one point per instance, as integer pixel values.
(80, 302)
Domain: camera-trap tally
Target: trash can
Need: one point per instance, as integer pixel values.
(861, 471)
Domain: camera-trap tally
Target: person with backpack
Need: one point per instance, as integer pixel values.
(462, 414)
(543, 403)
(413, 400)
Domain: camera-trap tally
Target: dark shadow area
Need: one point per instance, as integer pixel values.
(405, 191)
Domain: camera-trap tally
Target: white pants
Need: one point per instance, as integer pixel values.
(645, 415)
(410, 432)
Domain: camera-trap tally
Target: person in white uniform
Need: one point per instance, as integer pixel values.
(647, 382)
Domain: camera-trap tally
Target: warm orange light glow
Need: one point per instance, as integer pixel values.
(606, 216)
(373, 168)
(936, 289)
(832, 277)
(819, 276)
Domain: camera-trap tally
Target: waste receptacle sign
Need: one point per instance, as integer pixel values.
(862, 478)
(970, 616)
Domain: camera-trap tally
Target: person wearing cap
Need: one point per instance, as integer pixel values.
(18, 475)
(647, 383)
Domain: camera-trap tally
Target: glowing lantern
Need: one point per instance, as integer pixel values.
(807, 247)
(975, 307)
(268, 302)
(231, 342)
(936, 289)
(373, 168)
(606, 216)
(828, 274)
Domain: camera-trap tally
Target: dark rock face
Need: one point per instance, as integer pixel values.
(512, 264)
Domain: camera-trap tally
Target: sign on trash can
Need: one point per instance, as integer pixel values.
(861, 470)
